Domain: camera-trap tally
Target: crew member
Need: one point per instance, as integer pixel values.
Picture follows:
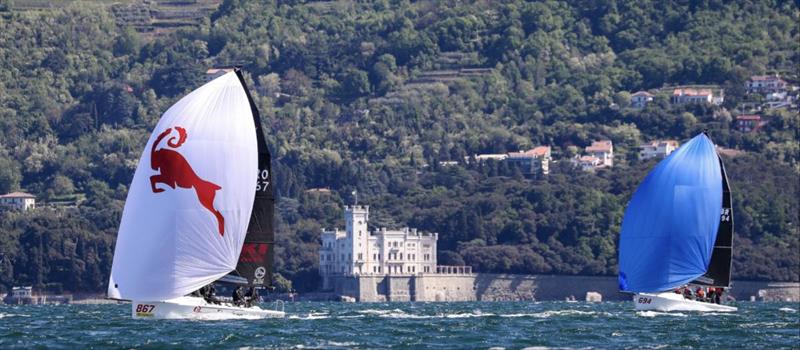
(700, 294)
(238, 296)
(252, 296)
(712, 293)
(211, 294)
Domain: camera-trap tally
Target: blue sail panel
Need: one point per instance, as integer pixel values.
(671, 222)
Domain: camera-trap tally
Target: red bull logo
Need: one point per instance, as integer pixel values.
(175, 170)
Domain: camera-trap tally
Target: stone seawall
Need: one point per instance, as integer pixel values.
(507, 287)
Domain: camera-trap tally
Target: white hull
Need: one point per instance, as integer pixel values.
(669, 301)
(197, 309)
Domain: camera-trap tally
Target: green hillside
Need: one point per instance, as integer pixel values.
(373, 96)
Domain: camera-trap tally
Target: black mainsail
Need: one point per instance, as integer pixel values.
(719, 268)
(255, 262)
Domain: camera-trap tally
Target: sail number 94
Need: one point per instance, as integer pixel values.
(263, 180)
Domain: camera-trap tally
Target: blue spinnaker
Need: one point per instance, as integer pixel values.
(671, 222)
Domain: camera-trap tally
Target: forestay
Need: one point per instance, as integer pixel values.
(190, 202)
(671, 222)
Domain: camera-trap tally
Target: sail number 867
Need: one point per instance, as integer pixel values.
(263, 180)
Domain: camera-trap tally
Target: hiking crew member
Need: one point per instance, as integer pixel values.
(238, 296)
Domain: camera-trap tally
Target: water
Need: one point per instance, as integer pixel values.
(410, 326)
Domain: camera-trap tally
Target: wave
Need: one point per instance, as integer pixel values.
(3, 315)
(311, 316)
(787, 309)
(656, 313)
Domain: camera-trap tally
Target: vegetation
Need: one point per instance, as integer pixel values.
(372, 96)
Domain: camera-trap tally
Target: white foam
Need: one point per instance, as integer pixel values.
(787, 309)
(656, 313)
(2, 315)
(311, 316)
(378, 312)
(469, 315)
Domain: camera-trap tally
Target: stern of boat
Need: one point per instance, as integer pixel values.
(668, 301)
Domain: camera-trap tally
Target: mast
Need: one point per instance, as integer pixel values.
(719, 268)
(256, 260)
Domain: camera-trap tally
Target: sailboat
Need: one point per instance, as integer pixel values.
(199, 209)
(678, 231)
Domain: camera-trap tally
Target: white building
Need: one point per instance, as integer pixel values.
(532, 161)
(658, 149)
(600, 154)
(766, 84)
(686, 96)
(602, 150)
(640, 99)
(357, 252)
(18, 200)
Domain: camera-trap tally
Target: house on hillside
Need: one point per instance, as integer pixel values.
(748, 122)
(600, 154)
(682, 96)
(602, 150)
(640, 99)
(764, 84)
(214, 73)
(587, 163)
(18, 200)
(658, 149)
(533, 161)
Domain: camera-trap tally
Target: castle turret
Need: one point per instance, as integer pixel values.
(355, 219)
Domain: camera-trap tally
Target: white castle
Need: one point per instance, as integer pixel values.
(357, 252)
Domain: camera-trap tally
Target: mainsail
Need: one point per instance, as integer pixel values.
(191, 199)
(671, 223)
(719, 269)
(255, 262)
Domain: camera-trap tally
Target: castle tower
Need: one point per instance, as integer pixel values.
(355, 219)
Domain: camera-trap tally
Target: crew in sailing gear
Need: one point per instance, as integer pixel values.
(238, 296)
(252, 296)
(700, 294)
(718, 295)
(687, 293)
(211, 294)
(712, 294)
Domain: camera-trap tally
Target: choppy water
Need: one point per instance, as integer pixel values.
(410, 326)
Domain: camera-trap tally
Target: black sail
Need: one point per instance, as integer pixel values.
(719, 268)
(255, 262)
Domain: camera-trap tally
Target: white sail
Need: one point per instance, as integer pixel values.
(190, 202)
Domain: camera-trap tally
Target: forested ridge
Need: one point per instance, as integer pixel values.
(351, 100)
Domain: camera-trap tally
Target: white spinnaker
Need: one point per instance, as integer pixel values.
(169, 244)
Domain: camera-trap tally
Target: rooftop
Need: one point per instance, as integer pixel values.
(691, 92)
(657, 143)
(211, 71)
(748, 117)
(18, 195)
(536, 152)
(765, 77)
(600, 146)
(642, 93)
